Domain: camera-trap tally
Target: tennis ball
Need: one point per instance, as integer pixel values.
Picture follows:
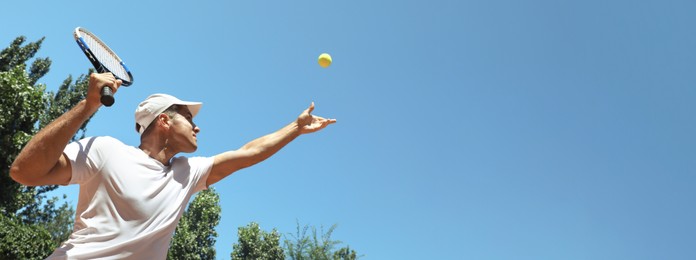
(324, 60)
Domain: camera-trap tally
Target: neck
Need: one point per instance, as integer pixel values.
(157, 148)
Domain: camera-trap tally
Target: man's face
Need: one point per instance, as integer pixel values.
(183, 131)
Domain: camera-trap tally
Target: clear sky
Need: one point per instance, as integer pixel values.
(492, 129)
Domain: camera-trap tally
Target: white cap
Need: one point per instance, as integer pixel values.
(155, 104)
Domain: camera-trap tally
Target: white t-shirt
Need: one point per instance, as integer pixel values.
(129, 203)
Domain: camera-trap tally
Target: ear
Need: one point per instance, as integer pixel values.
(163, 120)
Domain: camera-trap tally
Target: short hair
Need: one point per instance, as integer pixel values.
(171, 111)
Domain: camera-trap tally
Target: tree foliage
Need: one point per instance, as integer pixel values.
(255, 243)
(20, 241)
(195, 234)
(30, 221)
(302, 246)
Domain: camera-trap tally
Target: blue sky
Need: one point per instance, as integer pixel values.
(466, 129)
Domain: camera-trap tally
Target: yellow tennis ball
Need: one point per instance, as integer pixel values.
(324, 60)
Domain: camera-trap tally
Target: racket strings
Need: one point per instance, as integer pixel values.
(106, 57)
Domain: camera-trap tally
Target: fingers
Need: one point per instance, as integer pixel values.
(104, 76)
(99, 80)
(310, 123)
(317, 124)
(324, 121)
(327, 122)
(115, 85)
(107, 79)
(323, 124)
(311, 108)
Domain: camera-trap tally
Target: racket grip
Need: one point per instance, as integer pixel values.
(107, 96)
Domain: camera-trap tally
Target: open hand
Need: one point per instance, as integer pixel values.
(310, 123)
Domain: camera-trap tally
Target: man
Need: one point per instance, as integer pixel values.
(131, 198)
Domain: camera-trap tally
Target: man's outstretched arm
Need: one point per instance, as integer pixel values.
(41, 161)
(264, 147)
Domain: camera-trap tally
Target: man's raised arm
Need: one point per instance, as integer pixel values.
(41, 161)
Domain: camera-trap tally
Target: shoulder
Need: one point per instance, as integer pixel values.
(108, 140)
(100, 140)
(192, 170)
(198, 165)
(192, 161)
(96, 143)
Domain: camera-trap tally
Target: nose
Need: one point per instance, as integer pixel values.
(196, 129)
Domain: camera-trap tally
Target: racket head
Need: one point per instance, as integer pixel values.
(101, 56)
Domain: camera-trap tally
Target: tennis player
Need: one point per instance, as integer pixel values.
(131, 198)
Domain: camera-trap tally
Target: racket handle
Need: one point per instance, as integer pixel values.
(107, 96)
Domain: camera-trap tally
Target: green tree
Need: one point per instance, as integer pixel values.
(32, 225)
(345, 253)
(255, 243)
(195, 234)
(298, 248)
(21, 241)
(305, 247)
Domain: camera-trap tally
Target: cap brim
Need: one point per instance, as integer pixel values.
(193, 107)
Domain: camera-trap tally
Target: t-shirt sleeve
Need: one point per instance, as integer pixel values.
(85, 158)
(200, 169)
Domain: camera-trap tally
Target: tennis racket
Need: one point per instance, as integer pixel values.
(104, 60)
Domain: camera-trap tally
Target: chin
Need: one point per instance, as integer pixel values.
(191, 149)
